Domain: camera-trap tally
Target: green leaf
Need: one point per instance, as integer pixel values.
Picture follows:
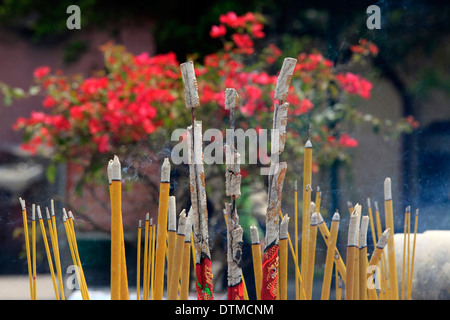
(50, 173)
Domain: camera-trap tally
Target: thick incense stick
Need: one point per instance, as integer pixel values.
(162, 230)
(377, 253)
(172, 291)
(334, 229)
(27, 244)
(235, 288)
(356, 271)
(340, 265)
(363, 258)
(257, 262)
(49, 255)
(307, 175)
(138, 262)
(115, 178)
(203, 281)
(56, 248)
(283, 257)
(171, 238)
(352, 251)
(388, 207)
(186, 262)
(309, 277)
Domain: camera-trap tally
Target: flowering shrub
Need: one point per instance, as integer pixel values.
(139, 97)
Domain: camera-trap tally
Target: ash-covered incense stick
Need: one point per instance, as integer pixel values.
(203, 281)
(277, 173)
(331, 244)
(235, 288)
(352, 251)
(171, 236)
(363, 262)
(311, 253)
(375, 258)
(172, 291)
(186, 262)
(389, 216)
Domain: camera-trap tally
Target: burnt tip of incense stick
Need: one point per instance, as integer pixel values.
(358, 209)
(147, 216)
(71, 215)
(151, 222)
(65, 214)
(284, 78)
(387, 189)
(353, 230)
(349, 204)
(314, 219)
(308, 144)
(22, 203)
(408, 209)
(182, 223)
(375, 203)
(231, 98)
(165, 171)
(336, 216)
(254, 234)
(312, 207)
(39, 212)
(140, 224)
(172, 217)
(33, 212)
(52, 207)
(363, 231)
(48, 213)
(116, 169)
(383, 239)
(188, 227)
(295, 185)
(319, 218)
(284, 227)
(417, 212)
(368, 203)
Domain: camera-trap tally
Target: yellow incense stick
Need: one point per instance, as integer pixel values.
(356, 289)
(257, 261)
(404, 285)
(413, 256)
(124, 295)
(149, 271)
(186, 262)
(352, 251)
(138, 262)
(77, 255)
(27, 244)
(162, 230)
(283, 258)
(171, 241)
(53, 241)
(152, 260)
(47, 250)
(363, 262)
(408, 266)
(33, 241)
(297, 281)
(115, 177)
(384, 294)
(334, 228)
(172, 293)
(146, 242)
(307, 177)
(56, 249)
(377, 253)
(309, 277)
(389, 216)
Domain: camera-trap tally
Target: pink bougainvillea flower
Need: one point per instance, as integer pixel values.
(217, 31)
(355, 84)
(346, 141)
(41, 72)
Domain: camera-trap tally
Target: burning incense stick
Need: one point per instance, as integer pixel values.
(83, 284)
(33, 243)
(311, 254)
(377, 253)
(138, 262)
(413, 255)
(283, 257)
(55, 253)
(146, 242)
(172, 291)
(352, 251)
(340, 265)
(334, 229)
(235, 288)
(203, 281)
(389, 215)
(56, 248)
(162, 229)
(363, 263)
(186, 262)
(47, 250)
(257, 262)
(27, 244)
(171, 238)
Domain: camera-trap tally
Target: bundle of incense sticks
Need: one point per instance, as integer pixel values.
(52, 249)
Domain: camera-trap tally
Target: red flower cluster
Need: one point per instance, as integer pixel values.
(346, 141)
(355, 84)
(365, 48)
